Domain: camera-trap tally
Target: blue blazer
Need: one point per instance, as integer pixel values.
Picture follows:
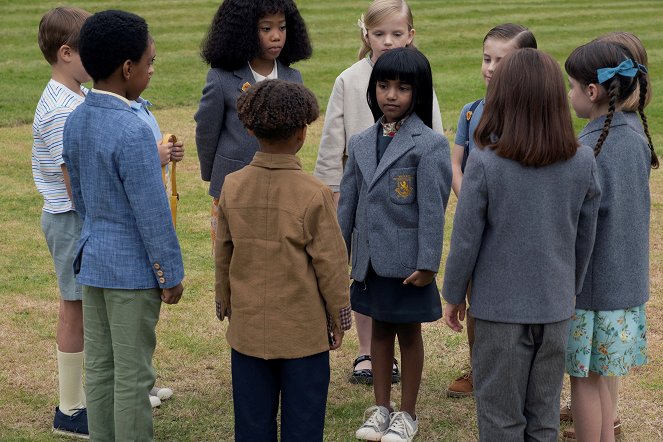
(223, 143)
(392, 213)
(128, 240)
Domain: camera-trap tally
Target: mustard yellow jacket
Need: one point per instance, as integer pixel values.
(281, 262)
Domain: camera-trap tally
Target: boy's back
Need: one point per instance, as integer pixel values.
(117, 182)
(288, 258)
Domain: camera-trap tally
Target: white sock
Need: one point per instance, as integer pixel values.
(70, 375)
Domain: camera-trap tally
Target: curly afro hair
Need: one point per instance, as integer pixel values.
(275, 109)
(232, 39)
(108, 39)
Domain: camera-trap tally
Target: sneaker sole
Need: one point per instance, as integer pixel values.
(459, 394)
(376, 437)
(70, 433)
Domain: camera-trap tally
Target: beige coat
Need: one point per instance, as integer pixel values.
(281, 262)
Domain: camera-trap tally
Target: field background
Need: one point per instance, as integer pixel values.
(192, 356)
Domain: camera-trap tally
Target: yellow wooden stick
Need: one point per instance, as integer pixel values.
(174, 196)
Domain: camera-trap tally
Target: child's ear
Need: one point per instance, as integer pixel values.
(410, 37)
(127, 69)
(301, 134)
(593, 92)
(64, 53)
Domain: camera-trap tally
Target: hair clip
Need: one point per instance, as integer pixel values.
(626, 69)
(362, 26)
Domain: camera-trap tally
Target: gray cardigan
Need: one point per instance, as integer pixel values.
(524, 236)
(618, 273)
(392, 213)
(223, 143)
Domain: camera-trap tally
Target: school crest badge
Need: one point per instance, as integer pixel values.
(404, 185)
(246, 86)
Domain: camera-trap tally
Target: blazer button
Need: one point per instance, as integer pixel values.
(160, 272)
(162, 280)
(156, 266)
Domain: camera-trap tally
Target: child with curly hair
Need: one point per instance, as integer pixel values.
(302, 280)
(246, 43)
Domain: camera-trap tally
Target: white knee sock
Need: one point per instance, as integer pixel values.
(70, 375)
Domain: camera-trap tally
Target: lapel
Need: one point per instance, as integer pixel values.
(400, 145)
(367, 158)
(245, 76)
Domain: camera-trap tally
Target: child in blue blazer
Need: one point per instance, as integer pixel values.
(128, 259)
(394, 193)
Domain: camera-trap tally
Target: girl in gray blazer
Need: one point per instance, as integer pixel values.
(246, 43)
(608, 331)
(523, 234)
(394, 193)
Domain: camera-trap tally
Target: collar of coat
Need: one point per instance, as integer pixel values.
(276, 161)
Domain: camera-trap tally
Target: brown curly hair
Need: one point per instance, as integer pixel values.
(275, 109)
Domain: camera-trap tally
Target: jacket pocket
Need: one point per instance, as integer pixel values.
(353, 247)
(403, 185)
(408, 247)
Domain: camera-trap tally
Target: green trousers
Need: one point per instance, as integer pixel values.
(119, 328)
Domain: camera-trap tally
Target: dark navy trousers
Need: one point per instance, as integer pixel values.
(301, 385)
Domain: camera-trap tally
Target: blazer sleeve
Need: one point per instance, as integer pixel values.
(328, 256)
(587, 227)
(329, 165)
(437, 116)
(469, 224)
(347, 205)
(209, 121)
(140, 174)
(433, 186)
(70, 152)
(223, 252)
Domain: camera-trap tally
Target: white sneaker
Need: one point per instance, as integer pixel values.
(376, 424)
(401, 428)
(154, 401)
(161, 393)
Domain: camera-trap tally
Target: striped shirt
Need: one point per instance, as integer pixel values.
(55, 105)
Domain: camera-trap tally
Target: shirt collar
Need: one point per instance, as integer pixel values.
(276, 161)
(272, 75)
(390, 129)
(112, 94)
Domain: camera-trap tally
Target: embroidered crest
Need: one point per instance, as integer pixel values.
(246, 86)
(404, 185)
(468, 115)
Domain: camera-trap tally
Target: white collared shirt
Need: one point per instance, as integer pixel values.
(272, 75)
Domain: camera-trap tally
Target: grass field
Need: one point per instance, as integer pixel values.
(192, 356)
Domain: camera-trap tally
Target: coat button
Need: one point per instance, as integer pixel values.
(156, 266)
(162, 280)
(160, 272)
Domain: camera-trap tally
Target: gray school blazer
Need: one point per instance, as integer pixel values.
(223, 143)
(392, 213)
(618, 273)
(524, 236)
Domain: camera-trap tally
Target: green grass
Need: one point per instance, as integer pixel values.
(192, 356)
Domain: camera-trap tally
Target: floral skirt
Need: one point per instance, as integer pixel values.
(608, 343)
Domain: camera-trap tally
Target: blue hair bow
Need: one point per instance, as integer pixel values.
(626, 68)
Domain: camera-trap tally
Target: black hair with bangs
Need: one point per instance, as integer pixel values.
(232, 39)
(409, 66)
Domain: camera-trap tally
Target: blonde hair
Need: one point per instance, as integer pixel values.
(378, 12)
(637, 49)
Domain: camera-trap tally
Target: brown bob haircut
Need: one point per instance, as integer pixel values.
(58, 27)
(526, 117)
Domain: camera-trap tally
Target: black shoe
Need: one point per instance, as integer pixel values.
(74, 425)
(363, 376)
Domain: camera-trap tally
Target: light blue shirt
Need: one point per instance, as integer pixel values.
(141, 108)
(462, 133)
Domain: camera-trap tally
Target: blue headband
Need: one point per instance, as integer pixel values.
(626, 68)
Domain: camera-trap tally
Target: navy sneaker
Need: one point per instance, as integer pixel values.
(74, 425)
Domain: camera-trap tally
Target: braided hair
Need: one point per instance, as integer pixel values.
(583, 64)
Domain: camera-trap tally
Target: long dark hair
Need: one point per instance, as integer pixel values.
(526, 117)
(409, 66)
(232, 39)
(583, 64)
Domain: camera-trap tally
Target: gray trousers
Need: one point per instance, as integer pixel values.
(518, 371)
